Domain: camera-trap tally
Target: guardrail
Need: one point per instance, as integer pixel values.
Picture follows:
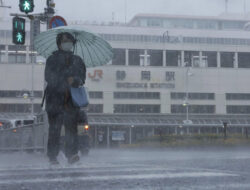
(28, 137)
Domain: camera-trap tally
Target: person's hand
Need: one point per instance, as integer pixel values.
(70, 80)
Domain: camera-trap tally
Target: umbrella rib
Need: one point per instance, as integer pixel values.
(43, 41)
(98, 54)
(104, 47)
(93, 49)
(104, 51)
(42, 48)
(88, 52)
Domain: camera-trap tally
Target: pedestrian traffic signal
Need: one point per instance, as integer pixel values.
(26, 6)
(18, 31)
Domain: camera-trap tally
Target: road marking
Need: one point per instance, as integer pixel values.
(118, 177)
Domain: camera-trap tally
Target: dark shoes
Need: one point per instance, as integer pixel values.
(73, 159)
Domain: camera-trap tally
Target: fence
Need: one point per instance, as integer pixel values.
(27, 137)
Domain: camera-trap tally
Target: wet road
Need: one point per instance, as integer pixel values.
(130, 169)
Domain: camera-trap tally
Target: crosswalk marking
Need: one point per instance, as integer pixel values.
(100, 175)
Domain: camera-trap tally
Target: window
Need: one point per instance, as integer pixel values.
(19, 94)
(198, 109)
(95, 108)
(206, 24)
(119, 57)
(244, 60)
(192, 96)
(95, 95)
(238, 109)
(136, 108)
(227, 59)
(134, 56)
(17, 58)
(191, 58)
(156, 57)
(16, 48)
(209, 58)
(237, 96)
(154, 22)
(233, 25)
(19, 108)
(136, 95)
(173, 58)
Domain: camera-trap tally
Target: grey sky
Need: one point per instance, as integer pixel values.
(101, 10)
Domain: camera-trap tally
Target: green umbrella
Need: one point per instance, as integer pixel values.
(94, 50)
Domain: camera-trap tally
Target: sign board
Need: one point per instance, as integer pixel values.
(118, 135)
(56, 21)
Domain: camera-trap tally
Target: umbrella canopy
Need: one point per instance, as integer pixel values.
(94, 50)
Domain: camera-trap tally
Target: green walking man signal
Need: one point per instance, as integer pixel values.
(18, 31)
(26, 6)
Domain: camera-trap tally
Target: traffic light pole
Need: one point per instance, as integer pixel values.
(45, 17)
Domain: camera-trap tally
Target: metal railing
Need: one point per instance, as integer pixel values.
(27, 137)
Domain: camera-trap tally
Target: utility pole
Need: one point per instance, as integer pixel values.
(125, 11)
(226, 6)
(245, 7)
(186, 101)
(35, 20)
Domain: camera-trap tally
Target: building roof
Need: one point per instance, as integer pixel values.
(160, 120)
(153, 120)
(222, 17)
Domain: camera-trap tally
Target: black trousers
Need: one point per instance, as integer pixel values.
(70, 120)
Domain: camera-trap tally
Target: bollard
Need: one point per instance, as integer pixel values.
(225, 129)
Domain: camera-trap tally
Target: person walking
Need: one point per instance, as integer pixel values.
(63, 70)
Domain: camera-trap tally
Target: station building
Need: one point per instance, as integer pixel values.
(169, 73)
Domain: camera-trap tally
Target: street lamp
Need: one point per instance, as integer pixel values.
(30, 95)
(186, 103)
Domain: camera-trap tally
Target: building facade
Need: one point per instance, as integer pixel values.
(162, 64)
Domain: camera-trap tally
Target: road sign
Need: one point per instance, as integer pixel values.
(56, 21)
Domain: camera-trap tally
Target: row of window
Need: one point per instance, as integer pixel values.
(135, 108)
(175, 39)
(208, 96)
(157, 39)
(17, 58)
(133, 95)
(238, 96)
(190, 23)
(136, 95)
(20, 108)
(19, 94)
(26, 108)
(192, 96)
(138, 57)
(199, 109)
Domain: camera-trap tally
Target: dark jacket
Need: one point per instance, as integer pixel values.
(59, 66)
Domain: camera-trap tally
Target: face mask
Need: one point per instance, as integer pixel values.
(67, 46)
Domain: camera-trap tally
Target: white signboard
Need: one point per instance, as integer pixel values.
(118, 135)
